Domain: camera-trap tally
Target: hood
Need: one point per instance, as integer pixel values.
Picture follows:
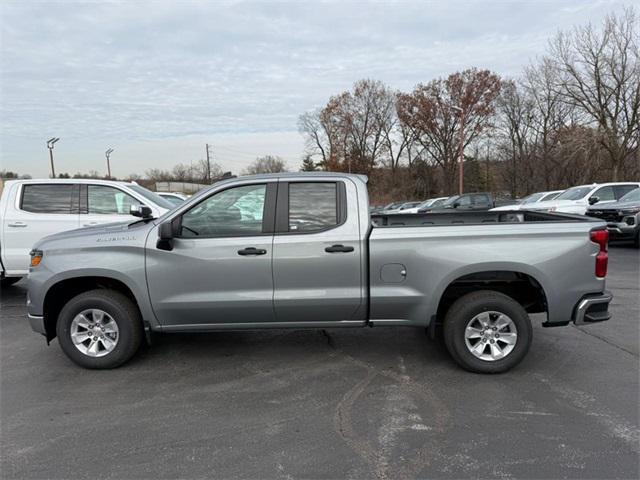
(108, 230)
(615, 206)
(552, 203)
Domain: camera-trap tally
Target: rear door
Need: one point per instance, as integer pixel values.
(38, 210)
(317, 269)
(102, 204)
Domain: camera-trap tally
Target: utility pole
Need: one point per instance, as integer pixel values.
(108, 154)
(208, 166)
(50, 144)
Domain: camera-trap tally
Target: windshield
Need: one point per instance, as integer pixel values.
(409, 205)
(173, 199)
(632, 196)
(575, 193)
(534, 197)
(550, 196)
(152, 197)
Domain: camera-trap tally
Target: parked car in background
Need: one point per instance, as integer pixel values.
(403, 208)
(391, 206)
(466, 201)
(530, 201)
(577, 199)
(429, 203)
(174, 198)
(622, 217)
(300, 250)
(33, 209)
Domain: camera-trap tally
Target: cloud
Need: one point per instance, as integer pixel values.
(134, 74)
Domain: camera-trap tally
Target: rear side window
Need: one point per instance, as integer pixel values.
(313, 206)
(47, 198)
(109, 201)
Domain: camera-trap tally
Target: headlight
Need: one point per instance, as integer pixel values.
(630, 211)
(36, 257)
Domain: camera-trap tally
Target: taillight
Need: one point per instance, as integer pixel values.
(601, 237)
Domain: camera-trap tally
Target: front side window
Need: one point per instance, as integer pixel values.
(605, 194)
(313, 206)
(47, 198)
(481, 200)
(234, 212)
(105, 200)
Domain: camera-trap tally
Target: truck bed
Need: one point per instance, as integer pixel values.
(470, 218)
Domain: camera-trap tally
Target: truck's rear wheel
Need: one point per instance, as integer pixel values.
(99, 329)
(487, 332)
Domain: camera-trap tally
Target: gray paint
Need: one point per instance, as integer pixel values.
(202, 284)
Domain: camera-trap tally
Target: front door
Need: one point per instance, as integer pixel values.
(102, 204)
(218, 271)
(317, 256)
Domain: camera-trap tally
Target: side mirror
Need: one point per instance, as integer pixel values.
(593, 200)
(165, 231)
(141, 211)
(455, 204)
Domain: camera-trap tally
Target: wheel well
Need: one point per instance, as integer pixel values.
(523, 288)
(60, 293)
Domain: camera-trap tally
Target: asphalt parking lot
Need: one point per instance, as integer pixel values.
(370, 403)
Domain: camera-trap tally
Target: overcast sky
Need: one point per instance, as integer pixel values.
(157, 80)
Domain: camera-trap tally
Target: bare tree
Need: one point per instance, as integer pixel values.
(599, 73)
(266, 164)
(431, 110)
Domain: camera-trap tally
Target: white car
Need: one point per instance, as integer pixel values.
(33, 209)
(403, 208)
(578, 199)
(530, 201)
(174, 197)
(431, 202)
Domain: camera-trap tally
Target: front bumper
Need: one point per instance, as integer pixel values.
(37, 324)
(592, 309)
(622, 230)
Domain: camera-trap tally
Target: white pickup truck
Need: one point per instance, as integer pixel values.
(33, 209)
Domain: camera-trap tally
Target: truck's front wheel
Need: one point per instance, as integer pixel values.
(487, 332)
(99, 329)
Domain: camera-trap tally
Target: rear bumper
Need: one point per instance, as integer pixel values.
(37, 324)
(592, 309)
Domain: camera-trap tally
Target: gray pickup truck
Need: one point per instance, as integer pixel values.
(302, 251)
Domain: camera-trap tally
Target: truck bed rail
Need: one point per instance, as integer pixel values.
(471, 218)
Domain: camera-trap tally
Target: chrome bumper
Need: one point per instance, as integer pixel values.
(37, 324)
(592, 309)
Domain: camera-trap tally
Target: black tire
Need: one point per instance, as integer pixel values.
(472, 304)
(123, 311)
(8, 281)
(636, 240)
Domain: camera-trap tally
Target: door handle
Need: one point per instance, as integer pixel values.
(17, 224)
(90, 224)
(252, 251)
(338, 249)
